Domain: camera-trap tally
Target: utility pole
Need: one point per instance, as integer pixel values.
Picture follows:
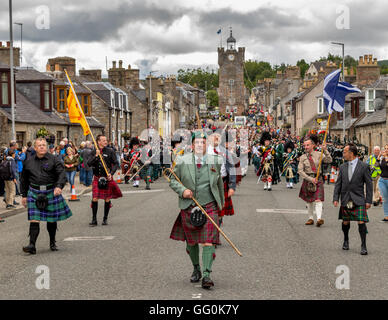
(343, 79)
(21, 41)
(12, 73)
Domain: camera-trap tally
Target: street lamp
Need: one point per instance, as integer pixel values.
(151, 72)
(12, 73)
(343, 78)
(21, 41)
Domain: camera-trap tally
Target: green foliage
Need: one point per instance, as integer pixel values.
(303, 66)
(212, 98)
(42, 133)
(205, 79)
(258, 70)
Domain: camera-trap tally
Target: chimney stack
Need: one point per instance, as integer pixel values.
(120, 64)
(114, 64)
(8, 44)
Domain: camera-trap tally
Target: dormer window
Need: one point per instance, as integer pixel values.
(45, 94)
(370, 96)
(4, 89)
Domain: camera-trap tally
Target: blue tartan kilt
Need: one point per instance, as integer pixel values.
(57, 209)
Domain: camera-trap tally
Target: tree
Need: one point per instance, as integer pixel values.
(303, 66)
(205, 79)
(212, 98)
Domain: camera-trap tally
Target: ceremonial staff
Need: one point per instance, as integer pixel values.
(202, 209)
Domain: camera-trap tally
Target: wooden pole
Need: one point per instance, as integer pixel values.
(324, 142)
(203, 210)
(80, 109)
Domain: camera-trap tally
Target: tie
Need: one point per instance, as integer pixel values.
(199, 165)
(350, 171)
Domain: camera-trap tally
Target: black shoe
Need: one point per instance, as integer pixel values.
(148, 188)
(345, 246)
(207, 283)
(10, 206)
(104, 222)
(364, 251)
(53, 246)
(93, 223)
(30, 249)
(384, 220)
(269, 189)
(375, 203)
(196, 276)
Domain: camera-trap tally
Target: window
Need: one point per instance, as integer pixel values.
(320, 106)
(20, 138)
(85, 102)
(355, 108)
(4, 89)
(61, 99)
(59, 136)
(121, 106)
(340, 116)
(369, 97)
(231, 82)
(45, 102)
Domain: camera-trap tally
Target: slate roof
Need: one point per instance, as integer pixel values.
(319, 64)
(378, 116)
(140, 94)
(27, 112)
(381, 83)
(77, 87)
(93, 122)
(30, 74)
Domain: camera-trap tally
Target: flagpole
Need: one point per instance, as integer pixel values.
(324, 142)
(82, 112)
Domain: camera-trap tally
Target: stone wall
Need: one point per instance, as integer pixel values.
(4, 54)
(375, 134)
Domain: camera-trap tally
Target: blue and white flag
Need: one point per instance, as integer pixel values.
(335, 91)
(219, 31)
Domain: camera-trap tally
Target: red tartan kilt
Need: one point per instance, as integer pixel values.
(228, 209)
(309, 196)
(112, 192)
(183, 230)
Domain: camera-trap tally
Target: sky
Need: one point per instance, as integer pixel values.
(166, 35)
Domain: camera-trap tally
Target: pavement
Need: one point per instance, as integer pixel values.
(133, 257)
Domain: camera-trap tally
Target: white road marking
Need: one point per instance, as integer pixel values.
(89, 238)
(196, 296)
(295, 211)
(130, 192)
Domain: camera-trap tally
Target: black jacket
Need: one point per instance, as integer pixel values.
(354, 189)
(110, 160)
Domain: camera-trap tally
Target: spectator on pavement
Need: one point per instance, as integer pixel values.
(20, 156)
(71, 163)
(383, 182)
(30, 150)
(10, 180)
(87, 153)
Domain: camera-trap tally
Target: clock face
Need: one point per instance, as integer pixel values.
(231, 57)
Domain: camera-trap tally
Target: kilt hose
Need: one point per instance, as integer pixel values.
(312, 196)
(57, 209)
(228, 209)
(183, 230)
(112, 192)
(358, 213)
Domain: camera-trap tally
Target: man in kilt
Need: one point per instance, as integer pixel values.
(200, 174)
(353, 176)
(103, 187)
(267, 153)
(134, 155)
(307, 169)
(42, 180)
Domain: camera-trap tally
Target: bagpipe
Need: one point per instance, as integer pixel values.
(265, 165)
(292, 156)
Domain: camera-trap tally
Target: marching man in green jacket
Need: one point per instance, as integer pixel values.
(374, 163)
(200, 174)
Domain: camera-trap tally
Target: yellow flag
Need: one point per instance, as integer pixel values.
(75, 115)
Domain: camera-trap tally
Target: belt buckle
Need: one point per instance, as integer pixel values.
(42, 188)
(350, 205)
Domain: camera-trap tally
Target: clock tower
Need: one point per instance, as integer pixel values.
(231, 88)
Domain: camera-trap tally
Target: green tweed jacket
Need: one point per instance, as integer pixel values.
(185, 170)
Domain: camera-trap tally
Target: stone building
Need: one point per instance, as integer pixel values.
(5, 54)
(231, 91)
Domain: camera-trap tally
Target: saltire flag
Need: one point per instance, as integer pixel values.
(75, 113)
(335, 91)
(219, 31)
